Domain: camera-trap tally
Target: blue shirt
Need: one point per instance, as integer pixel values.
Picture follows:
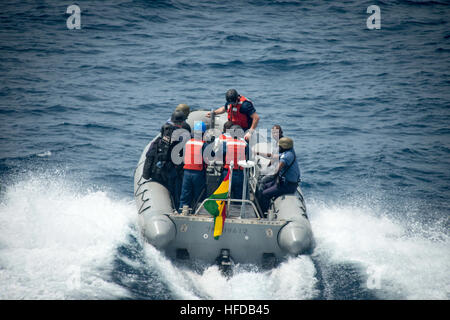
(293, 173)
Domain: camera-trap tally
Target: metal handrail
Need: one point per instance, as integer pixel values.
(231, 200)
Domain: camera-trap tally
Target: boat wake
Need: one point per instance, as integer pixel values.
(389, 258)
(292, 280)
(60, 241)
(57, 242)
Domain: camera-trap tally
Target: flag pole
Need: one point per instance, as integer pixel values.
(230, 179)
(244, 192)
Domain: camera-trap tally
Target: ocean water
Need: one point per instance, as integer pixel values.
(369, 111)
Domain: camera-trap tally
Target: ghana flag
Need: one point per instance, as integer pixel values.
(218, 208)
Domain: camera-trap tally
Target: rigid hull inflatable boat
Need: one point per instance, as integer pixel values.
(249, 236)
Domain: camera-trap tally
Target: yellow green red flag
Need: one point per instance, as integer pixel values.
(218, 208)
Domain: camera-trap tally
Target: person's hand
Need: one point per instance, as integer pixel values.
(208, 114)
(248, 135)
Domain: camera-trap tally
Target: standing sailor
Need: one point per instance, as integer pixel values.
(175, 171)
(234, 149)
(240, 111)
(194, 178)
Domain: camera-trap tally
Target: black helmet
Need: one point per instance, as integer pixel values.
(185, 108)
(231, 96)
(178, 116)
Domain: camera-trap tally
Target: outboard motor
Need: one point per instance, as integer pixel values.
(225, 262)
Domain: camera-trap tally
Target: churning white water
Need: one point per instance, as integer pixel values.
(57, 242)
(397, 262)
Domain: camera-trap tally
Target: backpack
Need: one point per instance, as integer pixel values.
(157, 159)
(149, 170)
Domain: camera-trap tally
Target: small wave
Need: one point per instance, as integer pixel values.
(88, 126)
(44, 154)
(229, 64)
(237, 38)
(61, 108)
(88, 98)
(7, 111)
(424, 2)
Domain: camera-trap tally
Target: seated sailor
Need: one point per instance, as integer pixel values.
(277, 134)
(194, 177)
(234, 149)
(286, 177)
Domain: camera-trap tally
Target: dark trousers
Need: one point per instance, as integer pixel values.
(236, 183)
(272, 189)
(193, 184)
(174, 183)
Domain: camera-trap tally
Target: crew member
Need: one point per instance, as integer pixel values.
(277, 132)
(240, 111)
(175, 171)
(194, 178)
(181, 111)
(184, 108)
(234, 149)
(286, 178)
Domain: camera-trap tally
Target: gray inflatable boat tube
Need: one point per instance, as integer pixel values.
(296, 236)
(154, 205)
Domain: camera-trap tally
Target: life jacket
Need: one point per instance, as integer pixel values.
(223, 138)
(193, 155)
(235, 152)
(235, 115)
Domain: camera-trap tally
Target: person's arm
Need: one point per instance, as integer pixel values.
(255, 118)
(220, 110)
(255, 121)
(263, 154)
(280, 166)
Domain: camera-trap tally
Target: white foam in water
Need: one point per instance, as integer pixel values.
(293, 279)
(57, 243)
(397, 264)
(178, 284)
(45, 154)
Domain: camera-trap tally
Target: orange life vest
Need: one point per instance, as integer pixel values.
(235, 151)
(235, 115)
(193, 155)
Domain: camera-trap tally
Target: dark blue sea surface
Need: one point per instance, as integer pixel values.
(369, 111)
